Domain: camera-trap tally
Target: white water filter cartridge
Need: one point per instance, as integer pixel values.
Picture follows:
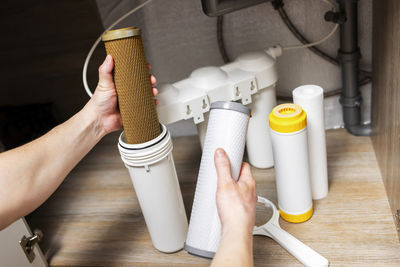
(288, 123)
(311, 99)
(227, 127)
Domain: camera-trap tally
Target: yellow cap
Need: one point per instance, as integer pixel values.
(298, 218)
(287, 118)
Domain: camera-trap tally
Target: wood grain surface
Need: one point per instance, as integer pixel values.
(94, 218)
(386, 96)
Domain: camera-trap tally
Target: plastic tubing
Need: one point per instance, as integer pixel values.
(334, 29)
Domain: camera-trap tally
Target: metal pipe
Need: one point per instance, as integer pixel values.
(349, 56)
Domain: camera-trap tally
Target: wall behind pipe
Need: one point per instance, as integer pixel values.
(179, 38)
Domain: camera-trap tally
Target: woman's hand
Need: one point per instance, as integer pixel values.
(236, 203)
(104, 101)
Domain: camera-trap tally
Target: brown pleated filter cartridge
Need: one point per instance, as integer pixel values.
(132, 82)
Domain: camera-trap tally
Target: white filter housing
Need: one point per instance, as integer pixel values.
(311, 99)
(152, 170)
(258, 141)
(251, 79)
(226, 129)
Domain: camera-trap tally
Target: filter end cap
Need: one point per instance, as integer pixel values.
(287, 118)
(230, 106)
(120, 34)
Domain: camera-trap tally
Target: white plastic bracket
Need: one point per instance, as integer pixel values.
(238, 80)
(196, 108)
(244, 85)
(244, 90)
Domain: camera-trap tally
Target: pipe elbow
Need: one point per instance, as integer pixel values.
(359, 129)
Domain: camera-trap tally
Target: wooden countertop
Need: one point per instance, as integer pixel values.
(94, 218)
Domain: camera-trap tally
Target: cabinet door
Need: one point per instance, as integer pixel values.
(11, 252)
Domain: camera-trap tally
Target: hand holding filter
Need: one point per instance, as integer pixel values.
(289, 146)
(227, 127)
(311, 99)
(132, 82)
(302, 252)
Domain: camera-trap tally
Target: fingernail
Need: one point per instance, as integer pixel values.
(220, 152)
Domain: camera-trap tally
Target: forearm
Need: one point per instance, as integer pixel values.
(235, 249)
(31, 173)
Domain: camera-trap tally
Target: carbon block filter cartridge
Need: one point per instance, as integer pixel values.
(311, 99)
(288, 123)
(227, 127)
(132, 82)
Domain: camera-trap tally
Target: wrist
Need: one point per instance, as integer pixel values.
(237, 232)
(95, 120)
(240, 242)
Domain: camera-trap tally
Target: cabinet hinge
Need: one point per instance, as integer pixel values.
(28, 244)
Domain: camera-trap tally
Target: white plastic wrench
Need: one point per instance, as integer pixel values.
(302, 252)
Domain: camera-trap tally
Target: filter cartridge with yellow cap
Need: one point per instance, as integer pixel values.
(288, 123)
